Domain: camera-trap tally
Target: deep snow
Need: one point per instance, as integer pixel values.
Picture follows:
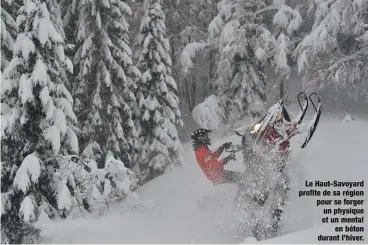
(167, 210)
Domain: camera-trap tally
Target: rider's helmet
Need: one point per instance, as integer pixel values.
(200, 137)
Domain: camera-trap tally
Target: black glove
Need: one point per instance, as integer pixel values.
(227, 145)
(229, 158)
(224, 146)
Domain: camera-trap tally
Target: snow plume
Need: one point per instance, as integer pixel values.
(104, 53)
(157, 95)
(262, 179)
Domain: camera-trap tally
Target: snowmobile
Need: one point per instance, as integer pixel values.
(266, 146)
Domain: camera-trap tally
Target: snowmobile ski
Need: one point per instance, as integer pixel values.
(313, 124)
(303, 107)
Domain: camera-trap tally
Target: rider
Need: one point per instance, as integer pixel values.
(208, 160)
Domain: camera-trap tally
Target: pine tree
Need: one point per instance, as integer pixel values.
(105, 85)
(334, 50)
(244, 46)
(8, 30)
(37, 124)
(157, 94)
(92, 188)
(187, 23)
(70, 19)
(285, 22)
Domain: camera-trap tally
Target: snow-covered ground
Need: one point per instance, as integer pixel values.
(167, 210)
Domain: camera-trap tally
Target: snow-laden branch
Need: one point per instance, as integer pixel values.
(266, 9)
(189, 53)
(342, 72)
(208, 114)
(332, 18)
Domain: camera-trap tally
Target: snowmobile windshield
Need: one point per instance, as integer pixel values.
(277, 111)
(255, 128)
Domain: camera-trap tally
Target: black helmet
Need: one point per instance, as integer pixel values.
(200, 137)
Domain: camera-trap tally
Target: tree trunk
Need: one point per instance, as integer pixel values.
(209, 86)
(281, 88)
(194, 90)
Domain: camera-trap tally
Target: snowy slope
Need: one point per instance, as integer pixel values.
(338, 151)
(168, 211)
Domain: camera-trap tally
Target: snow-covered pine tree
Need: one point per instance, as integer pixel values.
(70, 19)
(36, 123)
(157, 94)
(9, 10)
(244, 46)
(286, 22)
(187, 23)
(93, 188)
(334, 50)
(106, 83)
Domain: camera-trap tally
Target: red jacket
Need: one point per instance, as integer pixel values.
(211, 167)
